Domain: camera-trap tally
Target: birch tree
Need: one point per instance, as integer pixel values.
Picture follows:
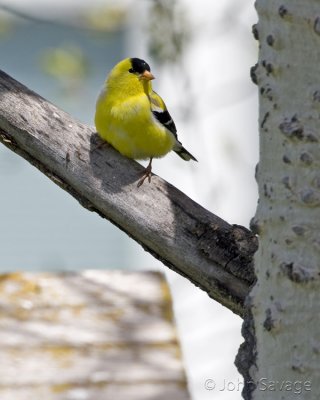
(283, 331)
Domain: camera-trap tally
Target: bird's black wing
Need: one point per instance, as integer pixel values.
(159, 110)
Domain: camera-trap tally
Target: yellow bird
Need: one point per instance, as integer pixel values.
(133, 118)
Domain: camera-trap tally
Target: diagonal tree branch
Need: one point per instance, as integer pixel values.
(215, 256)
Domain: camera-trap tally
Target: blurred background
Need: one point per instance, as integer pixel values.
(200, 53)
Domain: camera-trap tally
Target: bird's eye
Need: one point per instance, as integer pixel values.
(131, 70)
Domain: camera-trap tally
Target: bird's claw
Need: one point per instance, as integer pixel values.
(146, 175)
(101, 145)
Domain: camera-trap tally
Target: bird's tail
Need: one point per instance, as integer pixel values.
(183, 153)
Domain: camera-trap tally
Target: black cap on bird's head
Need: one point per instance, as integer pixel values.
(141, 68)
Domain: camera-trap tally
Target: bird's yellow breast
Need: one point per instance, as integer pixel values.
(128, 124)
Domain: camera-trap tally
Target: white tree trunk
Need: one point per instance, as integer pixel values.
(285, 301)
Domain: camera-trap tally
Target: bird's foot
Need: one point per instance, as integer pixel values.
(101, 145)
(146, 175)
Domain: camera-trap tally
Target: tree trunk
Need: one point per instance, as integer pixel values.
(283, 337)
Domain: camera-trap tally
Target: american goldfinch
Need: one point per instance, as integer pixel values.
(133, 118)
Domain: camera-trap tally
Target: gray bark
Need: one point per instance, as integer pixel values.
(283, 332)
(195, 243)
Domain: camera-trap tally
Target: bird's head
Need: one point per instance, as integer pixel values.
(140, 69)
(131, 73)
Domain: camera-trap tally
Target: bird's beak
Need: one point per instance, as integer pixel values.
(147, 76)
